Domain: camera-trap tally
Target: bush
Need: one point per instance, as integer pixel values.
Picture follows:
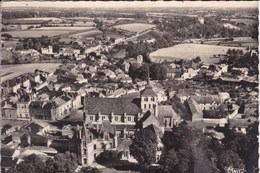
(108, 156)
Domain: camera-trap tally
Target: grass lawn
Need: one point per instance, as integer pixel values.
(189, 51)
(121, 166)
(111, 170)
(18, 69)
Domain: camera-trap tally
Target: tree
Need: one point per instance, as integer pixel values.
(158, 71)
(108, 156)
(143, 147)
(31, 164)
(133, 70)
(62, 163)
(229, 158)
(89, 170)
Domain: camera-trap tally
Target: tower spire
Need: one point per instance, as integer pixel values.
(148, 77)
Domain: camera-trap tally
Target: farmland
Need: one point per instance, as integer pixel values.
(87, 34)
(135, 27)
(190, 51)
(31, 20)
(46, 31)
(11, 71)
(71, 28)
(39, 33)
(245, 21)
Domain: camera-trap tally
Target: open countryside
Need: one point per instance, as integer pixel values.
(13, 71)
(190, 51)
(135, 27)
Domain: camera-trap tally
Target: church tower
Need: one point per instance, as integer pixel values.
(149, 99)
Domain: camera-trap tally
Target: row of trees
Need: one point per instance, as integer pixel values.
(187, 149)
(62, 163)
(188, 27)
(154, 70)
(237, 58)
(38, 43)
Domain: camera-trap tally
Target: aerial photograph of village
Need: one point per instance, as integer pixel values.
(129, 87)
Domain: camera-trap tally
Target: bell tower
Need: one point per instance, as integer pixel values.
(149, 99)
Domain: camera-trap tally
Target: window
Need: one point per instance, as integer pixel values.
(91, 118)
(85, 161)
(145, 106)
(129, 119)
(95, 147)
(85, 151)
(146, 99)
(149, 106)
(103, 117)
(116, 118)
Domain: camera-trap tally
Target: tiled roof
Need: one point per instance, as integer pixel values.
(124, 144)
(106, 106)
(166, 111)
(233, 123)
(7, 162)
(59, 101)
(194, 108)
(7, 151)
(34, 128)
(149, 119)
(41, 104)
(154, 129)
(107, 127)
(206, 99)
(148, 91)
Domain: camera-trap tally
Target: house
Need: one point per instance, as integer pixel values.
(207, 102)
(63, 106)
(139, 59)
(167, 116)
(126, 79)
(8, 157)
(218, 70)
(9, 110)
(195, 110)
(94, 140)
(223, 96)
(23, 107)
(12, 85)
(189, 73)
(42, 110)
(240, 125)
(47, 51)
(251, 109)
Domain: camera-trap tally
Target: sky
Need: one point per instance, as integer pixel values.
(122, 4)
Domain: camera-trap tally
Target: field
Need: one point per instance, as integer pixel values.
(46, 31)
(87, 34)
(190, 51)
(31, 20)
(135, 27)
(71, 28)
(31, 33)
(81, 24)
(245, 21)
(11, 71)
